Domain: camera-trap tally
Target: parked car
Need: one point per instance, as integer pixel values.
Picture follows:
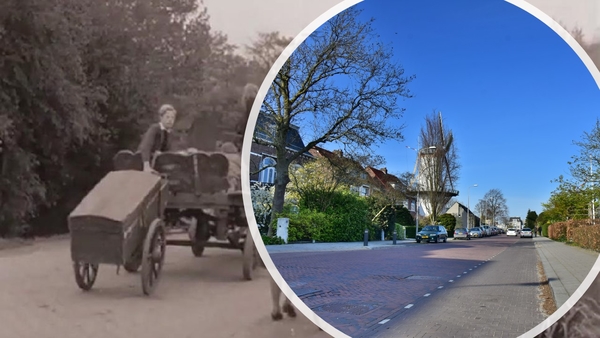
(432, 233)
(461, 233)
(511, 232)
(476, 232)
(526, 232)
(487, 229)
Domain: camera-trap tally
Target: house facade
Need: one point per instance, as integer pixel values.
(263, 154)
(463, 215)
(515, 222)
(392, 186)
(355, 176)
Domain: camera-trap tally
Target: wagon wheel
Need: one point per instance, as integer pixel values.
(85, 274)
(202, 236)
(153, 256)
(134, 263)
(250, 257)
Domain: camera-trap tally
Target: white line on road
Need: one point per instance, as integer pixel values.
(384, 321)
(439, 287)
(464, 273)
(458, 276)
(408, 306)
(427, 295)
(451, 281)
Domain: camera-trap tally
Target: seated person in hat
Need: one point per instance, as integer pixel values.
(157, 137)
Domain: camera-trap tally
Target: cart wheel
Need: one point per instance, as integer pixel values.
(250, 257)
(153, 256)
(202, 236)
(85, 274)
(134, 264)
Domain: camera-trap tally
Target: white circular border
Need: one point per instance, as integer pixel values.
(249, 132)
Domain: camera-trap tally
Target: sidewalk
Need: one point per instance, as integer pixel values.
(345, 246)
(565, 266)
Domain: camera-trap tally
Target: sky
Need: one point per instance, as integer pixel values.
(241, 19)
(513, 92)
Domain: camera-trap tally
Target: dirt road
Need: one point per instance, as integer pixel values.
(197, 297)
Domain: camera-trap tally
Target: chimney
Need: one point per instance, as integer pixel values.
(384, 170)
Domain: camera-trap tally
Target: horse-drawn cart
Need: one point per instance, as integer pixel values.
(127, 218)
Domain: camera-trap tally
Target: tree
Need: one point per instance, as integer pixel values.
(439, 166)
(531, 219)
(347, 82)
(448, 221)
(493, 205)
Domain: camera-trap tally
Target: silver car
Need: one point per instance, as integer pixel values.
(476, 233)
(526, 232)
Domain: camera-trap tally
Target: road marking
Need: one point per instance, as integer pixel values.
(451, 281)
(470, 269)
(439, 287)
(427, 295)
(458, 276)
(464, 273)
(408, 306)
(384, 321)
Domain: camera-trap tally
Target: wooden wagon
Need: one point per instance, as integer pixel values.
(127, 218)
(120, 222)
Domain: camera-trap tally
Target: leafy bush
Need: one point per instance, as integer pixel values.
(343, 219)
(273, 240)
(411, 231)
(545, 230)
(587, 237)
(449, 221)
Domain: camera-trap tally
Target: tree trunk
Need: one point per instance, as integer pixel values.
(281, 181)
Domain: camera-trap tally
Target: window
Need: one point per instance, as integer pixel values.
(267, 175)
(364, 190)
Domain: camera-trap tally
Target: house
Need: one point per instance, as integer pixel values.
(263, 153)
(515, 222)
(356, 178)
(462, 213)
(394, 187)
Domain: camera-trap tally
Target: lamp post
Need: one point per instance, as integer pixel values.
(468, 203)
(418, 185)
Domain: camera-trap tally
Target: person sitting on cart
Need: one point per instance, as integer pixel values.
(157, 137)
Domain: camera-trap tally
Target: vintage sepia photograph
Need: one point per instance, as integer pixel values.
(429, 169)
(121, 211)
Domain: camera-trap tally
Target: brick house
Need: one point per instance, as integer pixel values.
(391, 184)
(263, 154)
(357, 179)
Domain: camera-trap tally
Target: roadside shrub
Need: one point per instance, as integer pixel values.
(587, 237)
(545, 230)
(411, 231)
(563, 231)
(448, 221)
(304, 226)
(273, 240)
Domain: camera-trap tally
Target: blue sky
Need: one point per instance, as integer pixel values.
(513, 92)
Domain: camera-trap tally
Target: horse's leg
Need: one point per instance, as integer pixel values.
(289, 308)
(275, 294)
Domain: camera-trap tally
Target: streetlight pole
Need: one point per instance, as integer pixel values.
(468, 203)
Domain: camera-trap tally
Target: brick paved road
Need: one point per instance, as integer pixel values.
(197, 297)
(355, 290)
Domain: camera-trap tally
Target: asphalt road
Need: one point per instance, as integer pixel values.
(482, 287)
(197, 297)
